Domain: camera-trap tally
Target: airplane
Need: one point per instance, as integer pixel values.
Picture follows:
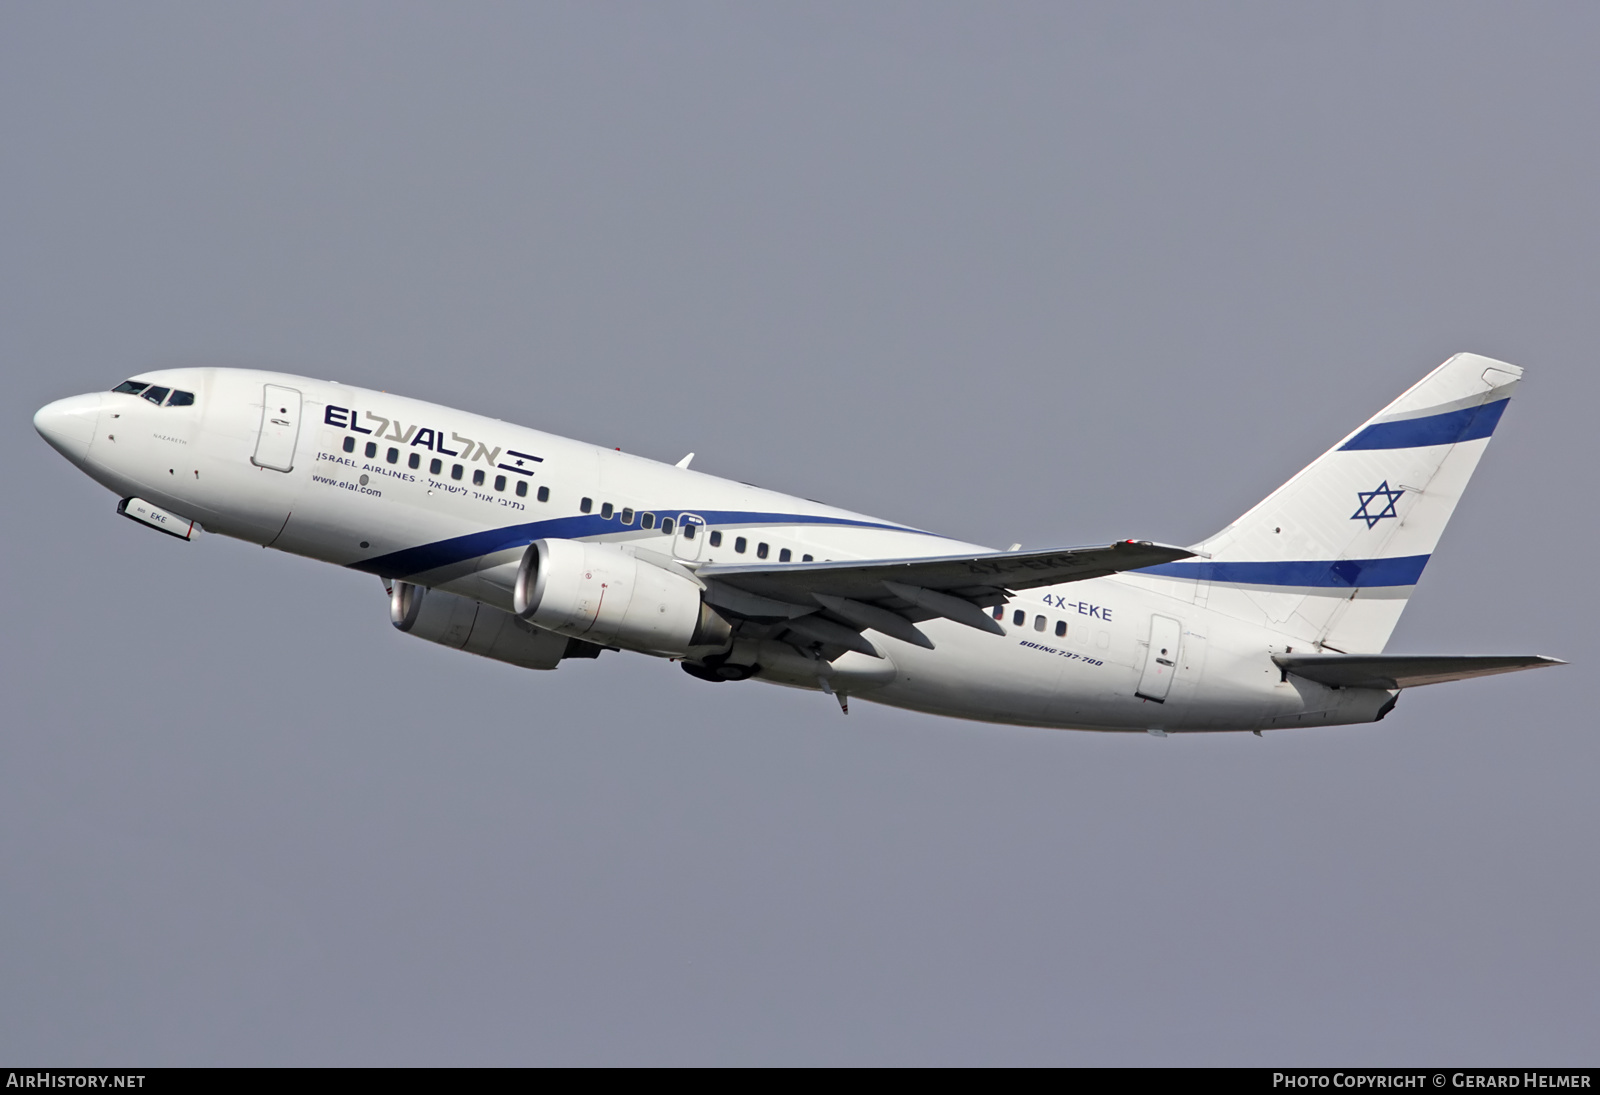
(533, 549)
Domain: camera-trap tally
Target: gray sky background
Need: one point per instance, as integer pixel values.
(1044, 273)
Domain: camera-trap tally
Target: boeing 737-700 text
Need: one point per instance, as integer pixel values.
(531, 548)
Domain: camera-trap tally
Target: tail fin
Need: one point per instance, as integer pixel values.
(1333, 555)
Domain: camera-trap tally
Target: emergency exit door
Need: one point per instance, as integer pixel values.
(280, 429)
(690, 540)
(1161, 660)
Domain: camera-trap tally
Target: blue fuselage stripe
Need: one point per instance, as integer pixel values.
(459, 549)
(1334, 573)
(1468, 424)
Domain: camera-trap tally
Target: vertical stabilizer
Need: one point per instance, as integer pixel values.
(1333, 555)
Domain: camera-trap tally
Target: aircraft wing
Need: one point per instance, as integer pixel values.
(1402, 670)
(831, 603)
(990, 572)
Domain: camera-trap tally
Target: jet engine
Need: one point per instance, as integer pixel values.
(602, 594)
(464, 624)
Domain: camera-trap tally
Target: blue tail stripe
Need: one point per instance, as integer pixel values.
(1336, 573)
(458, 549)
(1468, 424)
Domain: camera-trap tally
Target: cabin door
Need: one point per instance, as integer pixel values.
(280, 429)
(1161, 660)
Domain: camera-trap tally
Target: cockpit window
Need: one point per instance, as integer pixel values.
(156, 394)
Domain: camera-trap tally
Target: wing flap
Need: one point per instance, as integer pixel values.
(1403, 670)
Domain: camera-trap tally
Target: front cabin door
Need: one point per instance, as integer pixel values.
(280, 429)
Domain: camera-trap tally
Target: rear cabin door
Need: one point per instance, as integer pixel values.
(1161, 661)
(280, 429)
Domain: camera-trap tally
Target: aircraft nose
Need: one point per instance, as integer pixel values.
(69, 424)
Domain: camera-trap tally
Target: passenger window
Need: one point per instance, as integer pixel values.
(999, 612)
(785, 555)
(627, 515)
(522, 488)
(667, 525)
(1019, 617)
(435, 466)
(605, 510)
(586, 505)
(647, 520)
(1061, 628)
(156, 394)
(477, 477)
(688, 530)
(1038, 623)
(805, 558)
(415, 461)
(761, 551)
(500, 484)
(455, 469)
(716, 538)
(393, 455)
(349, 444)
(372, 449)
(738, 544)
(181, 399)
(544, 494)
(131, 387)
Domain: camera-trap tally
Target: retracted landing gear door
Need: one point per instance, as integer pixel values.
(280, 429)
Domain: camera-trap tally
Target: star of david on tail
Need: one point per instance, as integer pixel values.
(1364, 511)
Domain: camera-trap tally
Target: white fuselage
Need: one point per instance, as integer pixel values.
(373, 485)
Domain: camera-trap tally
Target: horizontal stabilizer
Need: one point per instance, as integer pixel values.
(1402, 670)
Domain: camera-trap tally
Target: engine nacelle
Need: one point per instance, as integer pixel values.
(465, 624)
(602, 594)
